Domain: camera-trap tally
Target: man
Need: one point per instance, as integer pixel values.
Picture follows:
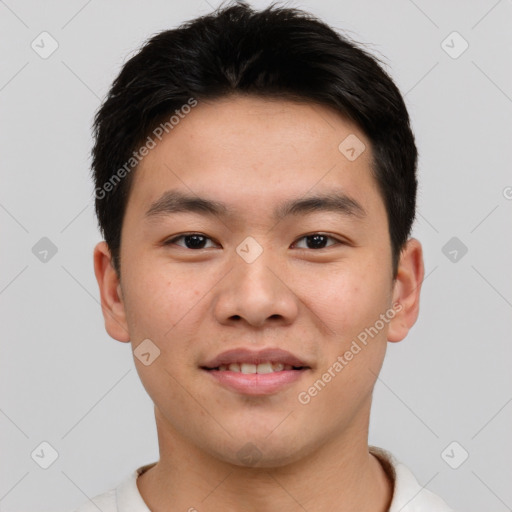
(255, 180)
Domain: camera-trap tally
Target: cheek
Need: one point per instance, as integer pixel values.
(347, 300)
(164, 308)
(160, 301)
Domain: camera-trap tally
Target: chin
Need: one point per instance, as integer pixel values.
(261, 451)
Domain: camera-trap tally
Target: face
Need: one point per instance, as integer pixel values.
(250, 239)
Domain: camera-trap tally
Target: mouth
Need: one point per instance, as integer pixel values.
(260, 368)
(256, 373)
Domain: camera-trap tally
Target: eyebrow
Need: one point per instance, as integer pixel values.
(173, 201)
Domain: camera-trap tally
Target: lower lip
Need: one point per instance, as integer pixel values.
(256, 383)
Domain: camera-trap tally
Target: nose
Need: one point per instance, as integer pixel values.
(255, 293)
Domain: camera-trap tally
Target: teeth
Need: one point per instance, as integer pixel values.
(264, 368)
(267, 367)
(248, 368)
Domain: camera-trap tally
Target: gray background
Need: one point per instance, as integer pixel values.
(64, 381)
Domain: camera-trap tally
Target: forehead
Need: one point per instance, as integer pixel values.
(252, 151)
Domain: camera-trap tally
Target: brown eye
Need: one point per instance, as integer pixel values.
(190, 241)
(316, 241)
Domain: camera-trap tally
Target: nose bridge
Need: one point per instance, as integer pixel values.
(256, 277)
(253, 276)
(254, 290)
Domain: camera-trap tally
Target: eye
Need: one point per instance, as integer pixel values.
(190, 241)
(199, 241)
(316, 241)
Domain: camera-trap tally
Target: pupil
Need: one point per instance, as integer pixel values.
(313, 241)
(194, 241)
(316, 241)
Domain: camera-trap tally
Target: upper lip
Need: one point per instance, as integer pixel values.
(243, 355)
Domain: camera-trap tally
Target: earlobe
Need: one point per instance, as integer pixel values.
(406, 291)
(112, 304)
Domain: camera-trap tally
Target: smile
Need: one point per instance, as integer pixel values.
(257, 373)
(261, 368)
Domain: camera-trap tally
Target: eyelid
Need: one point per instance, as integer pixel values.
(327, 235)
(172, 240)
(338, 241)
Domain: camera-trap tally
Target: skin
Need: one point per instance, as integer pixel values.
(253, 154)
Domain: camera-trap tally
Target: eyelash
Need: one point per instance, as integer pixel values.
(173, 240)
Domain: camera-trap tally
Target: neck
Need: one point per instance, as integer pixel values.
(339, 476)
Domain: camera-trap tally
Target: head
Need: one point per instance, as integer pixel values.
(255, 180)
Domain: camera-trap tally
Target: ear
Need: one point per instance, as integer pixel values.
(111, 297)
(406, 290)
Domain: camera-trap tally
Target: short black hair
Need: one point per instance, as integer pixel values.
(278, 52)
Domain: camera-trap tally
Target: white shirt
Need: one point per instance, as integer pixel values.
(408, 495)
